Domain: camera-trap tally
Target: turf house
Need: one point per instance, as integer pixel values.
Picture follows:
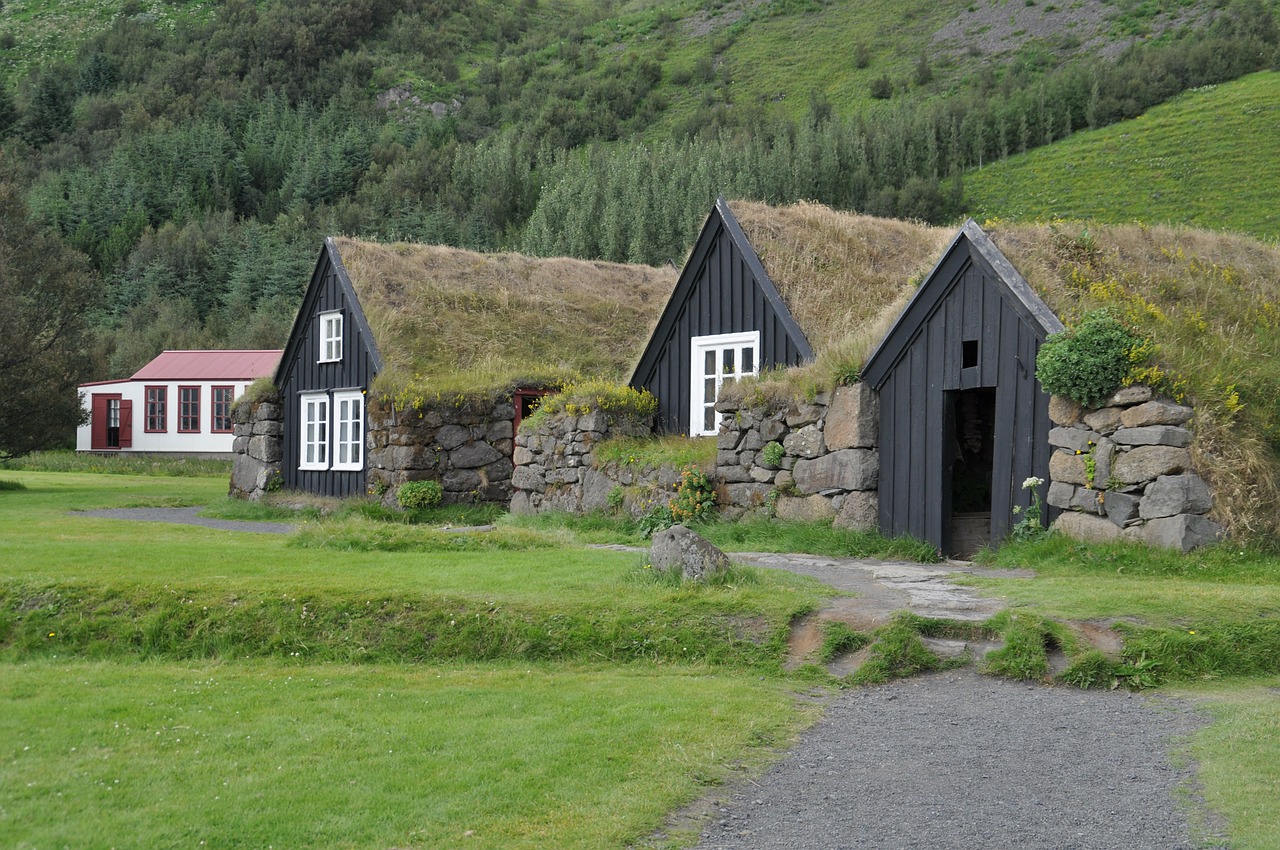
(919, 412)
(417, 362)
(180, 403)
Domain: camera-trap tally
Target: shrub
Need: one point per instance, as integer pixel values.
(772, 453)
(695, 497)
(416, 495)
(1090, 361)
(616, 400)
(882, 87)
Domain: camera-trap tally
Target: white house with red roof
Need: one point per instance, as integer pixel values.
(178, 403)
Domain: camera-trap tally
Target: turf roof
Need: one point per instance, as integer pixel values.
(453, 321)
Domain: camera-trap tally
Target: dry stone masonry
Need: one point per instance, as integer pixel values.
(466, 447)
(1123, 471)
(258, 428)
(557, 468)
(815, 459)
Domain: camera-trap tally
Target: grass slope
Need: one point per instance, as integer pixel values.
(1210, 159)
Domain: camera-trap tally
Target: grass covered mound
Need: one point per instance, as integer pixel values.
(450, 321)
(1208, 301)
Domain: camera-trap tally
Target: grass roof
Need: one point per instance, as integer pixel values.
(1210, 301)
(449, 321)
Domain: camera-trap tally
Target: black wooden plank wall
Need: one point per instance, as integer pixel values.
(917, 426)
(726, 298)
(304, 374)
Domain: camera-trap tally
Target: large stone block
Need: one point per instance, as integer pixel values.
(532, 477)
(678, 548)
(499, 470)
(500, 430)
(1104, 459)
(246, 473)
(596, 487)
(1105, 420)
(268, 410)
(747, 495)
(450, 437)
(733, 474)
(240, 444)
(1183, 532)
(473, 455)
(564, 475)
(729, 439)
(1068, 468)
(521, 456)
(1122, 508)
(1147, 463)
(860, 511)
(800, 415)
(1130, 396)
(1155, 413)
(523, 502)
(266, 449)
(1073, 439)
(1063, 411)
(1086, 527)
(772, 429)
(1169, 495)
(1153, 435)
(1085, 499)
(806, 443)
(853, 419)
(596, 421)
(848, 469)
(268, 428)
(461, 480)
(1060, 494)
(804, 508)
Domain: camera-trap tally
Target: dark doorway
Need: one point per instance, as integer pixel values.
(974, 416)
(526, 401)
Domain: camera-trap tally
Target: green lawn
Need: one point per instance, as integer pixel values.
(259, 755)
(1209, 158)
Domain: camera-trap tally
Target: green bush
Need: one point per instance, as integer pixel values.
(615, 400)
(416, 495)
(695, 497)
(1090, 361)
(772, 453)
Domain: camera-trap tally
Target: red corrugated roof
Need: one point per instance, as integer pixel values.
(209, 366)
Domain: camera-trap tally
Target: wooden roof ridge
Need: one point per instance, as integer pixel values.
(720, 218)
(972, 238)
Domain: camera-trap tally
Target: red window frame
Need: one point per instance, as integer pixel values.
(188, 411)
(221, 409)
(157, 409)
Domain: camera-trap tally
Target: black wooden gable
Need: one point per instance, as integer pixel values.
(300, 371)
(722, 289)
(967, 341)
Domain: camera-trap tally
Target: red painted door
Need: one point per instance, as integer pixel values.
(126, 424)
(110, 422)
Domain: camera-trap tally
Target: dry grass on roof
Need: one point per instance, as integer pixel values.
(452, 320)
(1211, 303)
(836, 271)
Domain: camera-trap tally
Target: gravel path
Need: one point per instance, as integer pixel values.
(960, 760)
(187, 516)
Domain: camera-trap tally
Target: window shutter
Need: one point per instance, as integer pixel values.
(126, 423)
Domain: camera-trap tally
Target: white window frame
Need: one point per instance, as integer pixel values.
(314, 432)
(719, 343)
(348, 431)
(330, 336)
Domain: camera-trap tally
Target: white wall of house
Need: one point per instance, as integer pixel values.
(173, 437)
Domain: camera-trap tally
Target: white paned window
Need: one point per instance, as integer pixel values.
(718, 360)
(330, 337)
(348, 430)
(315, 432)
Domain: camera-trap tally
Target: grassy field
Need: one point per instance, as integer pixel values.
(258, 755)
(365, 683)
(1210, 158)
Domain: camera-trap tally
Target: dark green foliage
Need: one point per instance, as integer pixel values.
(414, 495)
(897, 652)
(882, 87)
(838, 639)
(46, 290)
(1087, 362)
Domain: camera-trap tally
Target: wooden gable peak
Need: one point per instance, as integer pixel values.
(972, 240)
(329, 255)
(719, 221)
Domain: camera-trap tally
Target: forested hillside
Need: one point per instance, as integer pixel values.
(197, 152)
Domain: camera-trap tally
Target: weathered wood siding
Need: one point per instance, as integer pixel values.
(722, 289)
(300, 372)
(919, 367)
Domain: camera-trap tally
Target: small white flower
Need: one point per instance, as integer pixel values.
(1032, 482)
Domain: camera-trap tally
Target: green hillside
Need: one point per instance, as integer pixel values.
(1210, 158)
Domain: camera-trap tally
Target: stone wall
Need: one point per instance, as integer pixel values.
(258, 429)
(827, 463)
(467, 448)
(557, 468)
(1123, 471)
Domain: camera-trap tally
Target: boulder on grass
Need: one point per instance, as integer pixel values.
(694, 556)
